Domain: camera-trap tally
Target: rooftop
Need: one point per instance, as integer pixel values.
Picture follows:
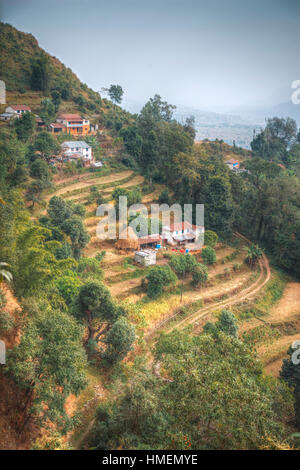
(70, 117)
(20, 107)
(57, 125)
(76, 143)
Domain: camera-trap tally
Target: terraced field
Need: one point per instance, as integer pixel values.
(228, 286)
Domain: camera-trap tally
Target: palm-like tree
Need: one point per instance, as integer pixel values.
(4, 274)
(254, 253)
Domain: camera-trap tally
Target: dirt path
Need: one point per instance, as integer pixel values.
(286, 309)
(246, 293)
(273, 355)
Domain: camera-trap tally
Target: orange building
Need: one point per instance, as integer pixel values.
(72, 124)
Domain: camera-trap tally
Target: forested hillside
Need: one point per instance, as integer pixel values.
(31, 74)
(99, 349)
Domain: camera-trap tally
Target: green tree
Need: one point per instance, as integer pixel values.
(68, 286)
(56, 99)
(40, 73)
(119, 341)
(290, 372)
(90, 268)
(34, 192)
(25, 126)
(59, 210)
(208, 255)
(40, 171)
(49, 364)
(228, 323)
(183, 263)
(35, 264)
(254, 253)
(159, 277)
(199, 274)
(75, 229)
(46, 144)
(95, 307)
(211, 391)
(132, 140)
(164, 197)
(48, 111)
(210, 238)
(115, 93)
(273, 142)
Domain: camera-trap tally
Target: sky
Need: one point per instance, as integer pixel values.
(214, 54)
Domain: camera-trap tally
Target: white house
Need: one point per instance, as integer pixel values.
(74, 149)
(145, 257)
(183, 233)
(17, 110)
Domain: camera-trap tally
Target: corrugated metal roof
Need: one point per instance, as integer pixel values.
(74, 143)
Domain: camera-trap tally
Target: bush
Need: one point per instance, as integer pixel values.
(210, 238)
(164, 197)
(183, 264)
(6, 321)
(68, 286)
(209, 255)
(158, 277)
(199, 274)
(119, 341)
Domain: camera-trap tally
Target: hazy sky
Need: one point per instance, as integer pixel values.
(205, 54)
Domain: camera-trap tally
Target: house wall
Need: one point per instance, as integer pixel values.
(18, 113)
(86, 152)
(148, 260)
(82, 129)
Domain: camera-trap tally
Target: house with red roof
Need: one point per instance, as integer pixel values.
(183, 234)
(17, 110)
(72, 124)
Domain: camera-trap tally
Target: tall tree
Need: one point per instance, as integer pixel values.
(49, 364)
(40, 73)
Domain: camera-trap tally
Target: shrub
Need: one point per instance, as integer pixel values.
(209, 255)
(183, 264)
(199, 274)
(158, 277)
(164, 197)
(6, 321)
(210, 238)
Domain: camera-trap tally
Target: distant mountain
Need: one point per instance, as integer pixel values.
(209, 117)
(260, 114)
(211, 125)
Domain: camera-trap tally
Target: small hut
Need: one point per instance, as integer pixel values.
(145, 257)
(128, 240)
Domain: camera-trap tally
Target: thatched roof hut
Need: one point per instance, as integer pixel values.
(128, 240)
